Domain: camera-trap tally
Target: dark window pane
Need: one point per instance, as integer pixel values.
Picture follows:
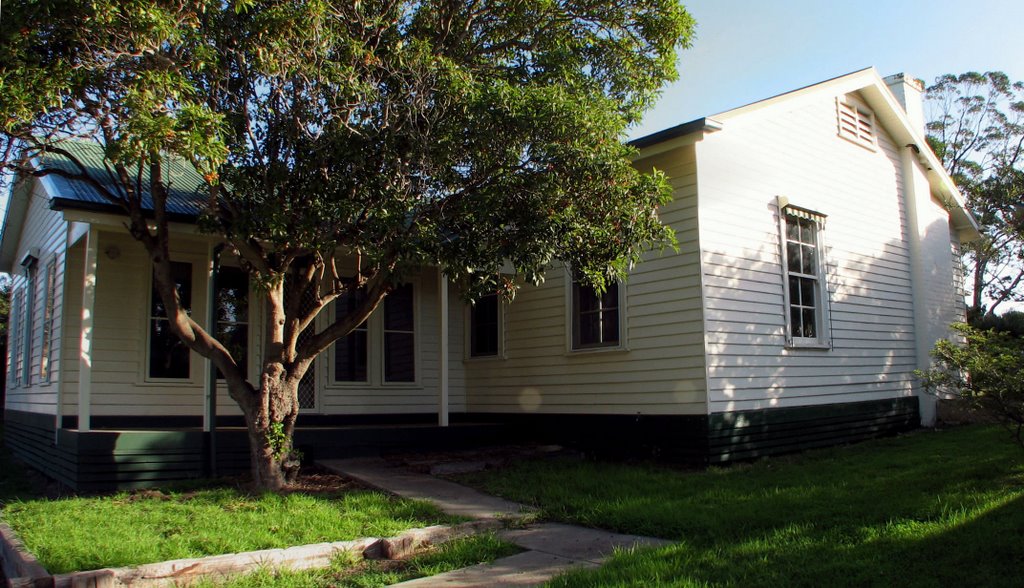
(232, 299)
(590, 329)
(232, 296)
(398, 309)
(795, 326)
(483, 332)
(351, 351)
(236, 339)
(808, 265)
(808, 321)
(793, 256)
(182, 274)
(348, 302)
(350, 354)
(808, 232)
(610, 327)
(792, 228)
(610, 298)
(485, 341)
(794, 290)
(168, 356)
(807, 291)
(587, 298)
(399, 357)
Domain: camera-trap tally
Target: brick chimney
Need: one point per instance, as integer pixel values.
(909, 92)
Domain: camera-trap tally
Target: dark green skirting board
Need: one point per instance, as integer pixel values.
(101, 460)
(750, 434)
(716, 438)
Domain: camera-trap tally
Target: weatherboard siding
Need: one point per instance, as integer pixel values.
(120, 382)
(45, 230)
(421, 396)
(121, 386)
(797, 153)
(661, 369)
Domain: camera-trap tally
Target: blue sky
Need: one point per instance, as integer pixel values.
(747, 50)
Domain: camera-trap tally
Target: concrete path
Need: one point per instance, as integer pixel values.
(450, 497)
(551, 548)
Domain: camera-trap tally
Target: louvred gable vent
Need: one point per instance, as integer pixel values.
(856, 124)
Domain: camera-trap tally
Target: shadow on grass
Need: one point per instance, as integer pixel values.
(929, 509)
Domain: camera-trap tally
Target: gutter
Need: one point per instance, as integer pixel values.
(705, 125)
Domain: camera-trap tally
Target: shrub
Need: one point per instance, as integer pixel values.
(985, 369)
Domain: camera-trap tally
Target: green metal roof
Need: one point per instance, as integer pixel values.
(187, 191)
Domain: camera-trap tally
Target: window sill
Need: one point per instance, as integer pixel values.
(810, 346)
(590, 350)
(347, 385)
(167, 383)
(378, 386)
(401, 385)
(483, 358)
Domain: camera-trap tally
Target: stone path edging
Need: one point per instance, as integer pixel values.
(169, 573)
(20, 567)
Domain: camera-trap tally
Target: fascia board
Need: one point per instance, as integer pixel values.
(893, 118)
(103, 219)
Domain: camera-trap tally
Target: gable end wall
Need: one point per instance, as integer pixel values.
(797, 153)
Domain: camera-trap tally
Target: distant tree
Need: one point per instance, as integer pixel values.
(976, 126)
(468, 135)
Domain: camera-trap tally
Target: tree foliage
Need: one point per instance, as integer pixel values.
(976, 126)
(345, 143)
(985, 370)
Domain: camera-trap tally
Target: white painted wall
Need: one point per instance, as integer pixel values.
(938, 301)
(661, 371)
(45, 230)
(795, 152)
(120, 381)
(121, 386)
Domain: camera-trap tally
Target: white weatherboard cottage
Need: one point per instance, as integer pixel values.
(818, 264)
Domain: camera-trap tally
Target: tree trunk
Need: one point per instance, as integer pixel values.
(270, 421)
(267, 471)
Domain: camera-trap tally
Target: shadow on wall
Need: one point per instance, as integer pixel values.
(870, 352)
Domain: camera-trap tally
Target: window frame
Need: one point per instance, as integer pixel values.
(28, 321)
(198, 308)
(382, 340)
(46, 346)
(468, 343)
(14, 336)
(572, 320)
(375, 349)
(332, 379)
(823, 340)
(249, 360)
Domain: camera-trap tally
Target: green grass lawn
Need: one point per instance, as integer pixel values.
(122, 530)
(935, 508)
(348, 574)
(84, 533)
